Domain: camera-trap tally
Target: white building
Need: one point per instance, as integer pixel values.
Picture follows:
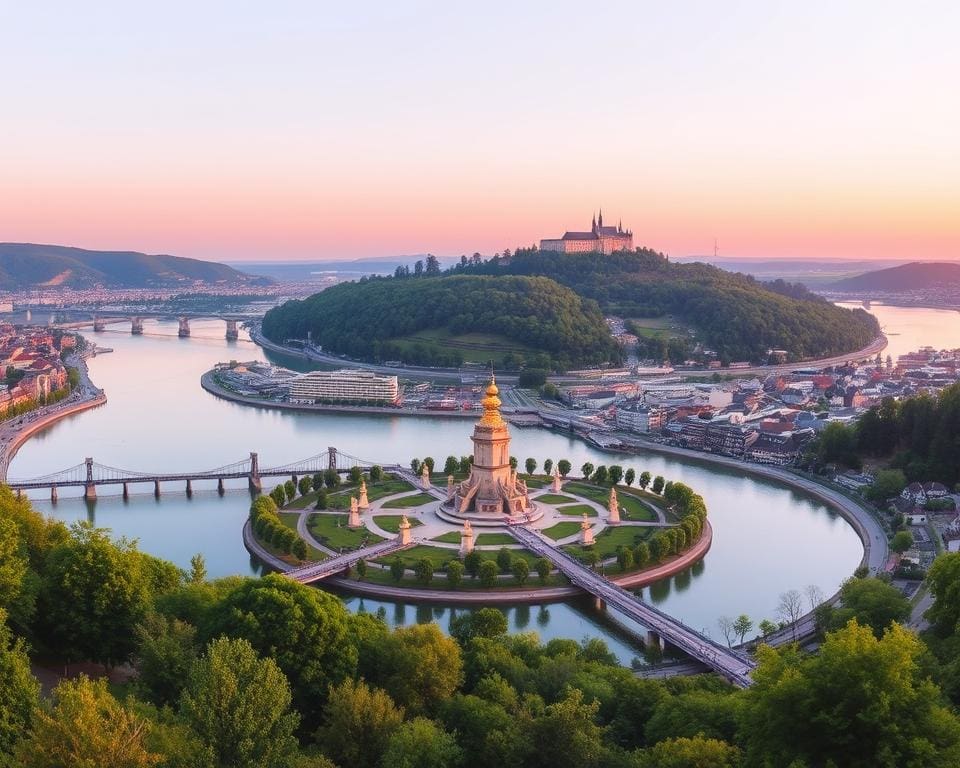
(639, 418)
(344, 386)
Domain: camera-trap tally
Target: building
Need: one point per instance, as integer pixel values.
(636, 417)
(600, 239)
(345, 386)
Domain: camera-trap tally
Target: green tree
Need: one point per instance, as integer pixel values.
(887, 483)
(586, 470)
(860, 702)
(198, 569)
(465, 463)
(166, 650)
(376, 473)
(451, 465)
(871, 602)
(19, 690)
(489, 623)
(630, 476)
(290, 490)
(504, 560)
(239, 704)
(543, 568)
(901, 541)
(13, 563)
(530, 465)
(471, 563)
(279, 496)
(356, 474)
(396, 569)
(420, 666)
(299, 549)
(644, 480)
(658, 484)
(641, 554)
(615, 474)
(95, 593)
(567, 735)
(564, 467)
(521, 570)
(742, 625)
(361, 569)
(625, 558)
(86, 726)
(943, 578)
(837, 444)
(548, 467)
(316, 482)
(358, 722)
(600, 475)
(454, 573)
(513, 462)
(695, 752)
(305, 485)
(304, 630)
(321, 499)
(423, 570)
(430, 463)
(421, 743)
(415, 466)
(488, 573)
(331, 478)
(767, 627)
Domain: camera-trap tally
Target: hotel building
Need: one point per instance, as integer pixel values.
(344, 386)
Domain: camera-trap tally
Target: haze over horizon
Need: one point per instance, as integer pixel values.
(815, 131)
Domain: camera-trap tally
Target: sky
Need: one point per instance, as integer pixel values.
(320, 130)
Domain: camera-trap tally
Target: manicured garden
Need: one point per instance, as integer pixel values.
(561, 530)
(555, 498)
(391, 523)
(331, 530)
(578, 510)
(405, 502)
(632, 507)
(609, 539)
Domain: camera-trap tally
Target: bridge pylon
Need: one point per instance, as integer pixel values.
(89, 487)
(253, 480)
(99, 324)
(232, 333)
(184, 329)
(136, 326)
(332, 458)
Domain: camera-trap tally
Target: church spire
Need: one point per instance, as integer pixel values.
(593, 223)
(600, 220)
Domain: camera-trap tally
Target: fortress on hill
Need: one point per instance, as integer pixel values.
(600, 239)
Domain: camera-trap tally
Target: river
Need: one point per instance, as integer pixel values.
(768, 539)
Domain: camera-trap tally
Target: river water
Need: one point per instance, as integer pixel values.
(767, 539)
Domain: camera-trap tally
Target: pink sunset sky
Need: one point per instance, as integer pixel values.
(240, 130)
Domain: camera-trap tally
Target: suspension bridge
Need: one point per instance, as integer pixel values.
(90, 474)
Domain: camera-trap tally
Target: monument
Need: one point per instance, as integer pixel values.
(586, 532)
(613, 507)
(363, 503)
(354, 520)
(425, 476)
(404, 530)
(466, 539)
(492, 494)
(451, 487)
(557, 483)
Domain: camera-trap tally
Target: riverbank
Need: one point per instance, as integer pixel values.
(12, 438)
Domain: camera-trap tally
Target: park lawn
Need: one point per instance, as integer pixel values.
(391, 523)
(492, 539)
(313, 554)
(441, 555)
(560, 530)
(339, 497)
(555, 498)
(607, 541)
(578, 510)
(405, 502)
(536, 482)
(633, 507)
(332, 531)
(450, 537)
(468, 584)
(290, 519)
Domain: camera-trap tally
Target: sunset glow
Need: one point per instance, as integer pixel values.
(814, 130)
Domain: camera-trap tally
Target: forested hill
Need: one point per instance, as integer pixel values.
(908, 277)
(375, 319)
(732, 313)
(26, 265)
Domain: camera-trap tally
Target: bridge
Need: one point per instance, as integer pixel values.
(308, 574)
(101, 318)
(90, 474)
(730, 664)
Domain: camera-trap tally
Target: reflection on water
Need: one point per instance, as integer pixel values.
(767, 539)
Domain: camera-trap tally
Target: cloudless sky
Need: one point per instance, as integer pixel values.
(296, 130)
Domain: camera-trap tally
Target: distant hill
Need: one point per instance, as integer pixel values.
(909, 277)
(26, 265)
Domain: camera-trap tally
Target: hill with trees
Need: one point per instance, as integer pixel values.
(26, 265)
(533, 319)
(733, 314)
(908, 277)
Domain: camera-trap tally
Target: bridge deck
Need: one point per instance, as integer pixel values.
(730, 664)
(308, 574)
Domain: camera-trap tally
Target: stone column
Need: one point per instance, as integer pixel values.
(613, 507)
(586, 532)
(557, 485)
(466, 539)
(354, 519)
(404, 530)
